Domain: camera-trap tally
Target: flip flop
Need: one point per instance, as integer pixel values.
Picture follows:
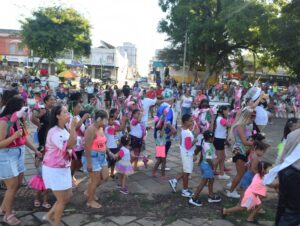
(93, 206)
(46, 205)
(37, 203)
(11, 220)
(253, 222)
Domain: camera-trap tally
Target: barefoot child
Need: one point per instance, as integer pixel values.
(207, 172)
(251, 200)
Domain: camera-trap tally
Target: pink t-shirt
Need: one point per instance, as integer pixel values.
(56, 153)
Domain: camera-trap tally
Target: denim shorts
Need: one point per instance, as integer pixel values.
(12, 162)
(246, 179)
(98, 160)
(206, 170)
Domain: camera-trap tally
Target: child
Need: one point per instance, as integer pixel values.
(160, 142)
(207, 170)
(137, 132)
(123, 166)
(221, 125)
(251, 200)
(187, 149)
(37, 183)
(112, 131)
(253, 160)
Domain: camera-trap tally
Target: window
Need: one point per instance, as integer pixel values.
(12, 48)
(20, 50)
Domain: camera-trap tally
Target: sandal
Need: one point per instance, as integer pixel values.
(93, 205)
(46, 205)
(253, 222)
(46, 218)
(37, 203)
(2, 212)
(11, 220)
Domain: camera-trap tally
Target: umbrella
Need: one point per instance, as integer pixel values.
(68, 74)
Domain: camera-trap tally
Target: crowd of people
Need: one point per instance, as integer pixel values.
(103, 131)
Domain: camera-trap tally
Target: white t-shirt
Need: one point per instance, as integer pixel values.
(147, 103)
(221, 130)
(136, 129)
(110, 133)
(262, 116)
(187, 101)
(90, 89)
(80, 133)
(187, 134)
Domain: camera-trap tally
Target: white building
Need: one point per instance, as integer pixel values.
(107, 60)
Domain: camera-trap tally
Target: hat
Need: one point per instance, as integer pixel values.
(167, 93)
(253, 93)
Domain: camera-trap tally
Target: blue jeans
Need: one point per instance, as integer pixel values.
(185, 111)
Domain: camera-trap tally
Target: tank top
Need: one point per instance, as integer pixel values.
(11, 129)
(238, 142)
(99, 143)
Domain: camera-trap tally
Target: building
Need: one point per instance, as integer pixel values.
(11, 50)
(106, 60)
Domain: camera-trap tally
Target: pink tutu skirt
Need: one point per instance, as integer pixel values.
(124, 167)
(250, 200)
(37, 183)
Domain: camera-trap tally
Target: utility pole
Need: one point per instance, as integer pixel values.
(184, 55)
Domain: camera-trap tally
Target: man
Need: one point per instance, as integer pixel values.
(151, 94)
(126, 90)
(165, 110)
(147, 103)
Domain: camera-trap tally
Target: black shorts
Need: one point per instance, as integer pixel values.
(239, 156)
(136, 144)
(111, 161)
(78, 155)
(219, 144)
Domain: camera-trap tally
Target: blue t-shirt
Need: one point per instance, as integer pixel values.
(168, 117)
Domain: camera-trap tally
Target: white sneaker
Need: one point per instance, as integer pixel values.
(187, 193)
(223, 177)
(173, 184)
(233, 194)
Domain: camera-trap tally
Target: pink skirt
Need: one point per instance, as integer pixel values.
(37, 183)
(250, 200)
(124, 167)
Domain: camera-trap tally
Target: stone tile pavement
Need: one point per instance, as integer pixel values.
(142, 182)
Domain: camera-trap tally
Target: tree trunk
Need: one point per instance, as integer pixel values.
(254, 65)
(207, 71)
(36, 67)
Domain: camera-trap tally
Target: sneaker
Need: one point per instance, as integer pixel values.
(124, 191)
(194, 202)
(223, 177)
(173, 184)
(187, 193)
(214, 198)
(233, 194)
(119, 186)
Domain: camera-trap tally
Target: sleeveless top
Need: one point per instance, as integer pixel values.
(99, 143)
(238, 142)
(11, 128)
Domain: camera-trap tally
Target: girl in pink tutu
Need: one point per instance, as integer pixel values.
(37, 183)
(251, 200)
(123, 166)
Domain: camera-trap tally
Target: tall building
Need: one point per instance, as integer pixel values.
(130, 50)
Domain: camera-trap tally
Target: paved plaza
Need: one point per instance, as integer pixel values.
(150, 201)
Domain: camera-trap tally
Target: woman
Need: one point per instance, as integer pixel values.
(108, 97)
(57, 161)
(187, 101)
(240, 133)
(94, 160)
(75, 108)
(13, 138)
(42, 119)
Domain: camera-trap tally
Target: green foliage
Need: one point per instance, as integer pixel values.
(60, 67)
(217, 29)
(285, 35)
(52, 30)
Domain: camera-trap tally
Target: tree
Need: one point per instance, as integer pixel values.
(216, 29)
(285, 36)
(52, 30)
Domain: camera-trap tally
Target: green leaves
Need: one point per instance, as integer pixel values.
(52, 30)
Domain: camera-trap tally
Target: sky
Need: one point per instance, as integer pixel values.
(113, 21)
